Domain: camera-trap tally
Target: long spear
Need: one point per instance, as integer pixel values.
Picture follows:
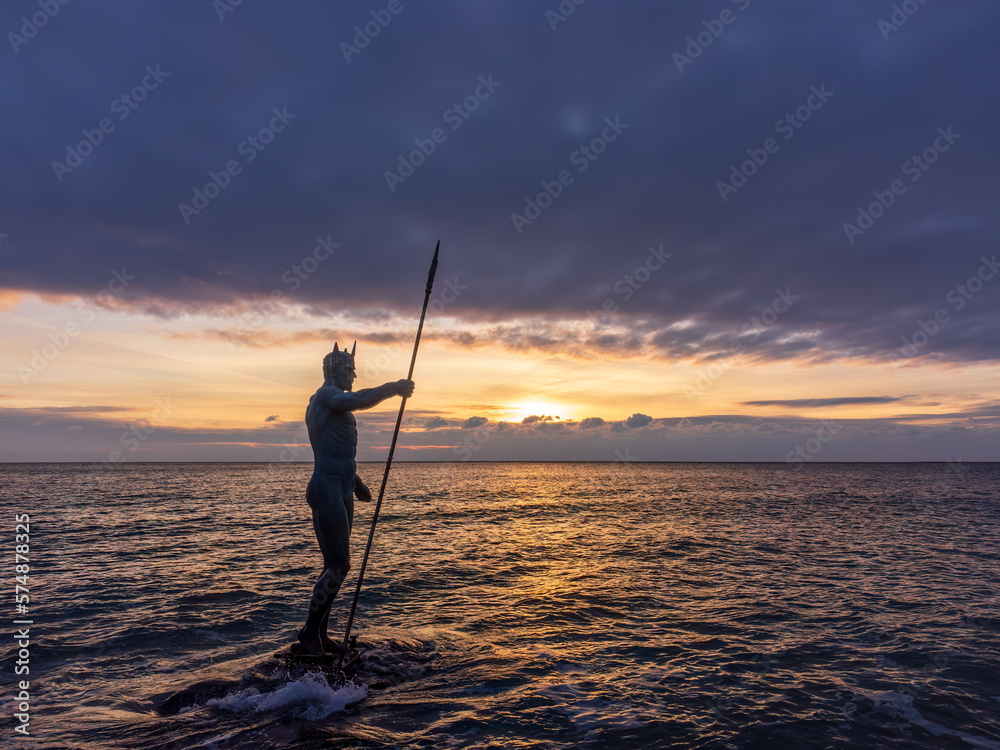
(392, 449)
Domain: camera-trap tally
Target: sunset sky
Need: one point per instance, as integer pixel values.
(712, 231)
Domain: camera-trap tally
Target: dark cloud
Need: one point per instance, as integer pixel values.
(435, 423)
(271, 232)
(638, 420)
(591, 422)
(83, 435)
(536, 419)
(473, 422)
(273, 418)
(815, 403)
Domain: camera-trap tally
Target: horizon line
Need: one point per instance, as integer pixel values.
(515, 461)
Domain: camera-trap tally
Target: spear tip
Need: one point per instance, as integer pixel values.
(434, 266)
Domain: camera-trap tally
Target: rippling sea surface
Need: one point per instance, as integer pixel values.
(512, 605)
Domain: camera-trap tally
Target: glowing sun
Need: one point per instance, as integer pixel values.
(517, 412)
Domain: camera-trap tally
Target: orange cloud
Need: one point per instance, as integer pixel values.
(10, 298)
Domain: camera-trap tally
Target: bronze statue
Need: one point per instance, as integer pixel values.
(334, 482)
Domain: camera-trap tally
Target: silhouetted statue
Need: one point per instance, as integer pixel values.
(334, 482)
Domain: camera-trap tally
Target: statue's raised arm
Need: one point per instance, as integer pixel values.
(340, 400)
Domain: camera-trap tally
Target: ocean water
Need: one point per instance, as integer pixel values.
(512, 605)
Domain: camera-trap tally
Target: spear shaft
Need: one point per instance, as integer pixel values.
(392, 449)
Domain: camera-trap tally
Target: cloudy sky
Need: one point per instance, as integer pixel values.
(730, 230)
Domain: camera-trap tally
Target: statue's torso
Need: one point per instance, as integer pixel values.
(333, 435)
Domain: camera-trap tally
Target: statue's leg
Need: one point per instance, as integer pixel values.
(330, 521)
(343, 547)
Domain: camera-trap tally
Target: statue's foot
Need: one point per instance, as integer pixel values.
(331, 646)
(311, 644)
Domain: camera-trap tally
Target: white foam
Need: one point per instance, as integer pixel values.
(900, 706)
(310, 697)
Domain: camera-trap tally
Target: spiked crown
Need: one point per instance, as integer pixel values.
(337, 359)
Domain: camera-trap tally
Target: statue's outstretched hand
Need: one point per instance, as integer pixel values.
(361, 490)
(404, 388)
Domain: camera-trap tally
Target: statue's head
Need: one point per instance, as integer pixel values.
(338, 366)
